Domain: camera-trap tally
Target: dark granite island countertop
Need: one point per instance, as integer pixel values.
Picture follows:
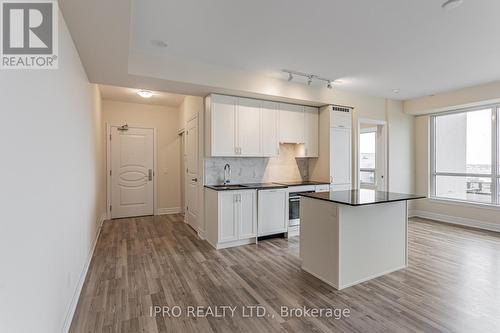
(362, 197)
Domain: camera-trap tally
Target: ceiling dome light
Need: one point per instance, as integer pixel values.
(396, 91)
(310, 81)
(145, 93)
(451, 4)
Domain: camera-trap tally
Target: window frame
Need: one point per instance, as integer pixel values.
(495, 156)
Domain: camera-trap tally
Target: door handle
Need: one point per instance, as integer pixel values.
(150, 175)
(194, 180)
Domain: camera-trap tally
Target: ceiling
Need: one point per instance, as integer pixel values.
(373, 47)
(129, 95)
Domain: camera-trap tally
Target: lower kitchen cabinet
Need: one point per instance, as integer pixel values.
(272, 212)
(230, 217)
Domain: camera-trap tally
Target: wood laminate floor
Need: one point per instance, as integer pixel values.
(452, 284)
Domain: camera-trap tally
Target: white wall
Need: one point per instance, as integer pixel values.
(468, 214)
(401, 137)
(401, 153)
(165, 119)
(52, 194)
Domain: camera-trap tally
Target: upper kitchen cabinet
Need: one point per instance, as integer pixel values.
(291, 123)
(248, 127)
(242, 127)
(270, 143)
(311, 131)
(221, 125)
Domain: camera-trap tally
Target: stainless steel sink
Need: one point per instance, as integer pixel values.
(229, 187)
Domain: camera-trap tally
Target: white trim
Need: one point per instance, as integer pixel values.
(385, 138)
(167, 211)
(471, 204)
(76, 296)
(457, 220)
(485, 103)
(108, 166)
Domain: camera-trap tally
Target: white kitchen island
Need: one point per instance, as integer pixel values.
(348, 237)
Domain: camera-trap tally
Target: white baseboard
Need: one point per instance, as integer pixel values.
(76, 296)
(171, 210)
(456, 220)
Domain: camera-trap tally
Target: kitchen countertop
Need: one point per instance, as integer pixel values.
(302, 182)
(362, 197)
(252, 186)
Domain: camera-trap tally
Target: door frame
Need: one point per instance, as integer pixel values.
(108, 165)
(385, 168)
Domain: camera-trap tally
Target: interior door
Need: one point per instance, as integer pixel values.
(132, 164)
(192, 173)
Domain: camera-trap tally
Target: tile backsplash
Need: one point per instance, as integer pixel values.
(285, 167)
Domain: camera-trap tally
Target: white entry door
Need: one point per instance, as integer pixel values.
(192, 173)
(132, 164)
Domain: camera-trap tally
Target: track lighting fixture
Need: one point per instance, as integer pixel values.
(310, 78)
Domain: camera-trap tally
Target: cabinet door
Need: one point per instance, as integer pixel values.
(272, 206)
(340, 119)
(248, 122)
(311, 131)
(270, 144)
(291, 119)
(223, 123)
(228, 228)
(340, 155)
(247, 215)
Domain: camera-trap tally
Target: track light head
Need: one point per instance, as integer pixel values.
(329, 85)
(290, 77)
(309, 81)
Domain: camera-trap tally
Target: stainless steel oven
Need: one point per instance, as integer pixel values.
(294, 208)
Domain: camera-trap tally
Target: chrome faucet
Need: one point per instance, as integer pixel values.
(227, 174)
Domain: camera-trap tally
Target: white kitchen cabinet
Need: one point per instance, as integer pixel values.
(221, 123)
(341, 119)
(311, 130)
(323, 188)
(247, 219)
(272, 211)
(340, 156)
(270, 143)
(291, 123)
(228, 212)
(231, 217)
(248, 127)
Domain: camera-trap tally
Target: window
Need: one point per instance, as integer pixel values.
(367, 158)
(464, 155)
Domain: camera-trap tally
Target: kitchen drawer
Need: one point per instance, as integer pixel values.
(323, 188)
